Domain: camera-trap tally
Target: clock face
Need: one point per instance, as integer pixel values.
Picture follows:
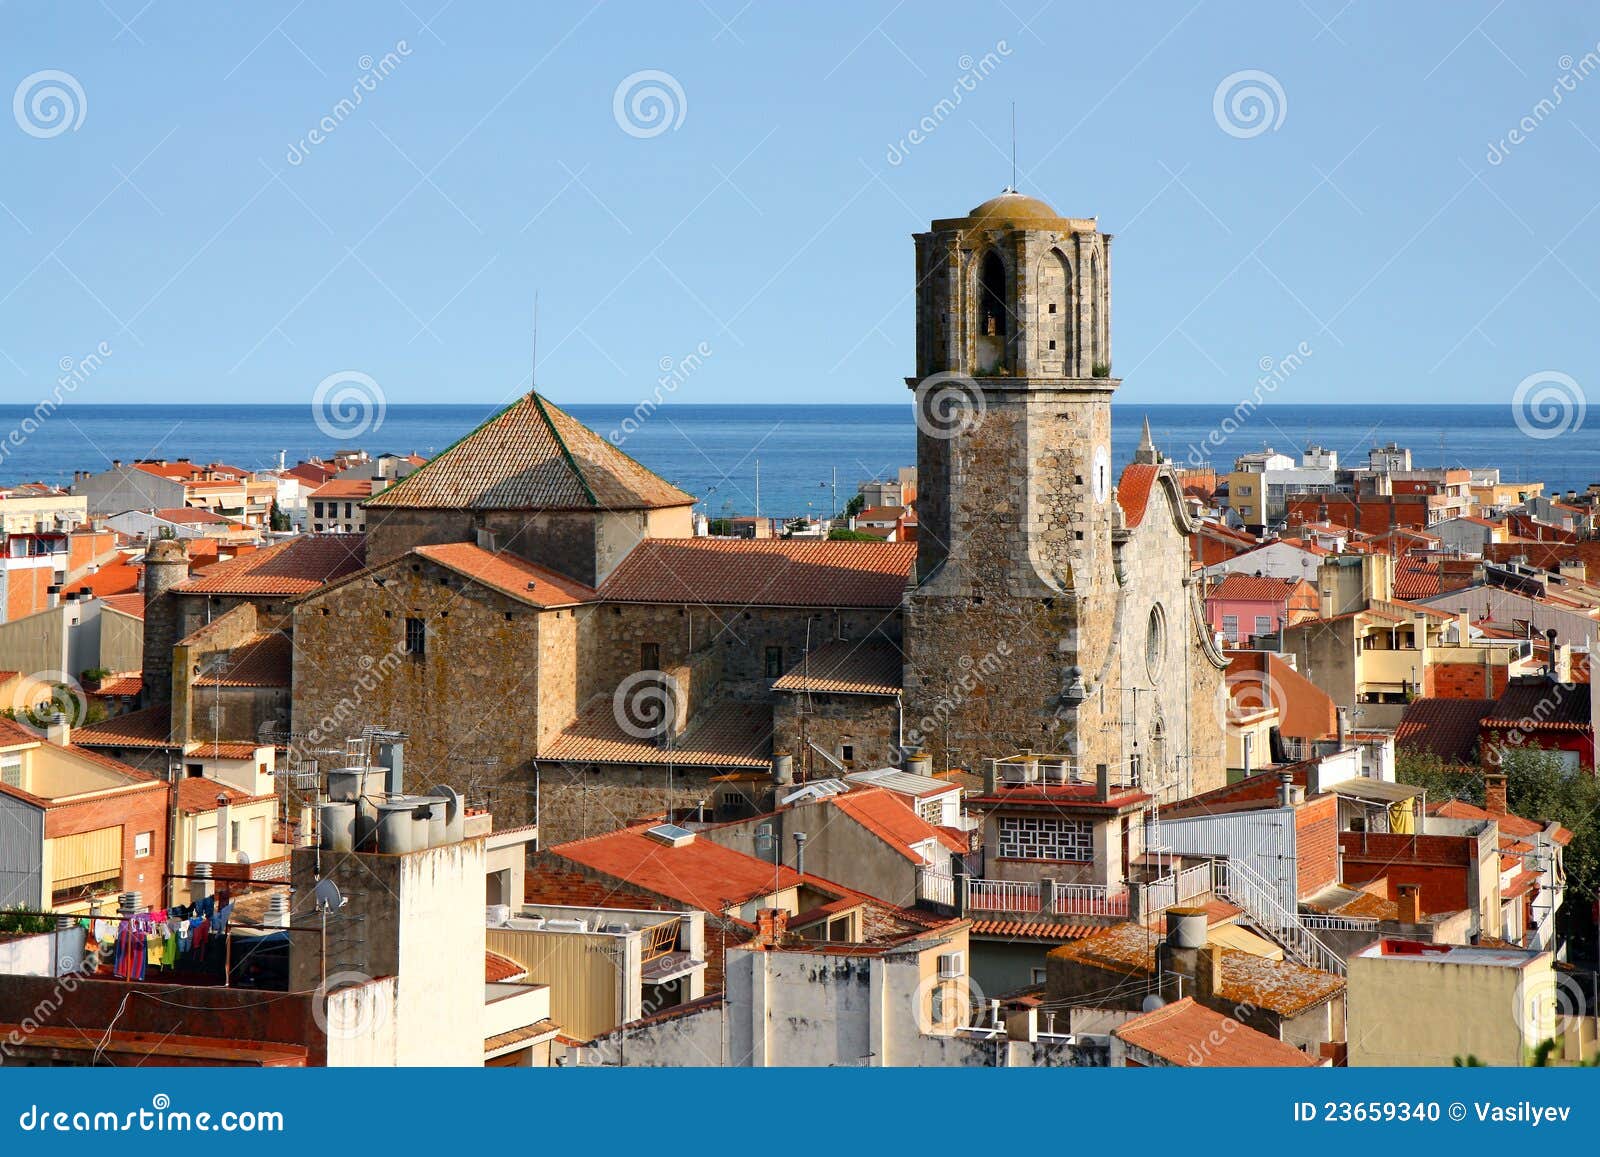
(1102, 474)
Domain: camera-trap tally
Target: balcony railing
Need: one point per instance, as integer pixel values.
(1090, 900)
(1002, 896)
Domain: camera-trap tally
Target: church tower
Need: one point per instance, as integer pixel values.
(1010, 623)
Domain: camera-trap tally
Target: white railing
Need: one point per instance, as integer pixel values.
(936, 887)
(1157, 896)
(1194, 882)
(1002, 896)
(1319, 923)
(1090, 900)
(1236, 881)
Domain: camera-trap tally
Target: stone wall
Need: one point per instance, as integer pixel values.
(865, 723)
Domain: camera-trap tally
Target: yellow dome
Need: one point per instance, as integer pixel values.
(1012, 207)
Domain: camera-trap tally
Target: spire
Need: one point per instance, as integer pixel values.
(1147, 454)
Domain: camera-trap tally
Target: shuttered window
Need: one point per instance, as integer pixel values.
(87, 858)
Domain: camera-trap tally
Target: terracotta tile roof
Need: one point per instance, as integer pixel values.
(1257, 680)
(1133, 490)
(196, 794)
(224, 750)
(700, 874)
(1416, 578)
(508, 574)
(147, 727)
(291, 568)
(312, 472)
(499, 969)
(346, 488)
(1279, 986)
(778, 572)
(1033, 930)
(189, 516)
(119, 685)
(13, 733)
(1538, 705)
(1447, 728)
(727, 734)
(114, 578)
(1187, 1035)
(531, 456)
(1253, 588)
(892, 820)
(131, 604)
(1515, 825)
(872, 667)
(265, 659)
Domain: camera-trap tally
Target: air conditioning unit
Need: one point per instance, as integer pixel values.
(566, 925)
(952, 965)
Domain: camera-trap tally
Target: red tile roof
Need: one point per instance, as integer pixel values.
(147, 727)
(701, 874)
(225, 750)
(190, 516)
(1033, 930)
(1416, 578)
(1515, 825)
(264, 659)
(1133, 490)
(727, 734)
(777, 572)
(119, 685)
(351, 488)
(1190, 1035)
(291, 568)
(869, 667)
(1254, 588)
(892, 820)
(196, 794)
(131, 604)
(499, 969)
(1540, 705)
(531, 456)
(508, 574)
(114, 578)
(1447, 728)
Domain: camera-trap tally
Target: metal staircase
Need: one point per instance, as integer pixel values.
(1239, 883)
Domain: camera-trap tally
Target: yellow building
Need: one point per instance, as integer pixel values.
(1427, 1004)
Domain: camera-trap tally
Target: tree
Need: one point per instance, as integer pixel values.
(276, 519)
(841, 534)
(1538, 787)
(855, 506)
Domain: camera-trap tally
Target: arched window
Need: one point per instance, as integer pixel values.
(992, 296)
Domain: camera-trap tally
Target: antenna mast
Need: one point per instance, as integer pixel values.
(533, 370)
(1013, 146)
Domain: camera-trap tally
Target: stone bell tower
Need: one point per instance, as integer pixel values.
(1012, 614)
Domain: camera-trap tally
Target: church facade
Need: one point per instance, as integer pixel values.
(539, 620)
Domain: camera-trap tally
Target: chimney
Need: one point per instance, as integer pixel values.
(1344, 722)
(58, 731)
(1494, 793)
(800, 852)
(772, 925)
(991, 776)
(1410, 903)
(54, 595)
(1102, 781)
(224, 831)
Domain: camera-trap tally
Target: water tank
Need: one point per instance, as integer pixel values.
(347, 784)
(438, 835)
(338, 827)
(495, 915)
(1053, 770)
(396, 828)
(366, 824)
(455, 813)
(1186, 927)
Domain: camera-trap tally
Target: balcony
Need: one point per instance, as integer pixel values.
(1079, 901)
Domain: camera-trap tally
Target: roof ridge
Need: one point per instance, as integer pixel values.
(561, 444)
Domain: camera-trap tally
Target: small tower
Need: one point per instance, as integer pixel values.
(1147, 454)
(166, 564)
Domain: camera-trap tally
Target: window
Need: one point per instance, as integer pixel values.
(992, 296)
(1263, 624)
(347, 510)
(1230, 626)
(194, 770)
(416, 637)
(1244, 490)
(11, 770)
(234, 831)
(316, 508)
(774, 662)
(952, 965)
(847, 752)
(1046, 838)
(649, 656)
(1155, 642)
(931, 810)
(1052, 310)
(141, 844)
(1052, 343)
(1039, 976)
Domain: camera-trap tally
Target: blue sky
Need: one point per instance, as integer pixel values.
(186, 222)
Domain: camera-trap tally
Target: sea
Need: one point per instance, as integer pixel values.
(779, 460)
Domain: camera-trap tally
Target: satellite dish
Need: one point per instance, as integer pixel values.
(242, 858)
(1152, 1002)
(326, 896)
